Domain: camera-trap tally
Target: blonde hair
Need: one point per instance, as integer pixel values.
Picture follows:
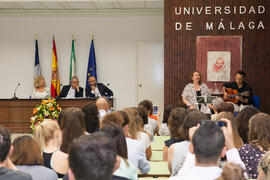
(45, 131)
(37, 81)
(232, 171)
(237, 139)
(259, 131)
(264, 164)
(135, 122)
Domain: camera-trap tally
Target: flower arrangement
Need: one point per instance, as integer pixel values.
(48, 109)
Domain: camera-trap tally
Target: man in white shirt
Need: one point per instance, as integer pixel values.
(73, 90)
(209, 144)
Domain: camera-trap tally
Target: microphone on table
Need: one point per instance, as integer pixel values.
(14, 94)
(108, 84)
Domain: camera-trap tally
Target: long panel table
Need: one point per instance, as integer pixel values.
(16, 114)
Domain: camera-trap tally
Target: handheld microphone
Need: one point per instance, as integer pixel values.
(14, 94)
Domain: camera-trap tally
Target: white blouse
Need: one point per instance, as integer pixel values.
(40, 95)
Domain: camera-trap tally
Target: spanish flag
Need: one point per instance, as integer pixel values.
(55, 84)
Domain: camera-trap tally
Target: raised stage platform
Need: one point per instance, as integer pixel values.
(16, 114)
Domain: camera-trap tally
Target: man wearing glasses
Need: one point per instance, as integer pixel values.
(73, 90)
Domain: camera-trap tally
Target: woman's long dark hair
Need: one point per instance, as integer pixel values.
(72, 127)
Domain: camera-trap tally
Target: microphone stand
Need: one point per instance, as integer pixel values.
(14, 95)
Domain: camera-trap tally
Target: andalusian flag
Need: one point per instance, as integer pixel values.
(55, 84)
(37, 65)
(91, 68)
(72, 71)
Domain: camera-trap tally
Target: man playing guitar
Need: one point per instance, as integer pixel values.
(238, 92)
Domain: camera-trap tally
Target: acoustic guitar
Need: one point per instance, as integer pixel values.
(232, 95)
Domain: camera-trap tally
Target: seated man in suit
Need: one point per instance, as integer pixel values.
(238, 92)
(97, 89)
(73, 90)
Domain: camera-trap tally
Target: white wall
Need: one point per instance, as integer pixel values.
(115, 45)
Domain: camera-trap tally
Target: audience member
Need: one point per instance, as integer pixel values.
(177, 152)
(225, 107)
(91, 119)
(236, 138)
(163, 128)
(102, 107)
(40, 90)
(144, 116)
(91, 157)
(216, 102)
(209, 143)
(175, 121)
(264, 167)
(259, 142)
(136, 153)
(72, 127)
(5, 163)
(49, 137)
(232, 171)
(148, 106)
(27, 157)
(126, 169)
(137, 132)
(242, 120)
(73, 90)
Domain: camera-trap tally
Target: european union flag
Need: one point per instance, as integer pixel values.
(91, 68)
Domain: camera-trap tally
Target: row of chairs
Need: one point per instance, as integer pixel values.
(159, 168)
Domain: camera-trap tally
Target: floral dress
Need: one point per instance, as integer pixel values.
(251, 157)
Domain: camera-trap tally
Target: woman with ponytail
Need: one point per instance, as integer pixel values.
(49, 137)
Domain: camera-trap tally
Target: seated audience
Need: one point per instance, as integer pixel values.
(209, 143)
(236, 138)
(225, 107)
(152, 126)
(49, 137)
(232, 171)
(242, 120)
(73, 90)
(177, 152)
(102, 107)
(126, 169)
(259, 143)
(264, 167)
(40, 90)
(175, 121)
(7, 168)
(97, 89)
(27, 157)
(213, 107)
(136, 153)
(72, 126)
(91, 119)
(92, 157)
(163, 128)
(137, 132)
(144, 116)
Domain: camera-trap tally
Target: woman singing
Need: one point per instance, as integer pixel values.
(192, 90)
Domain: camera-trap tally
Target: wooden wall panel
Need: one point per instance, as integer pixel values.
(180, 46)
